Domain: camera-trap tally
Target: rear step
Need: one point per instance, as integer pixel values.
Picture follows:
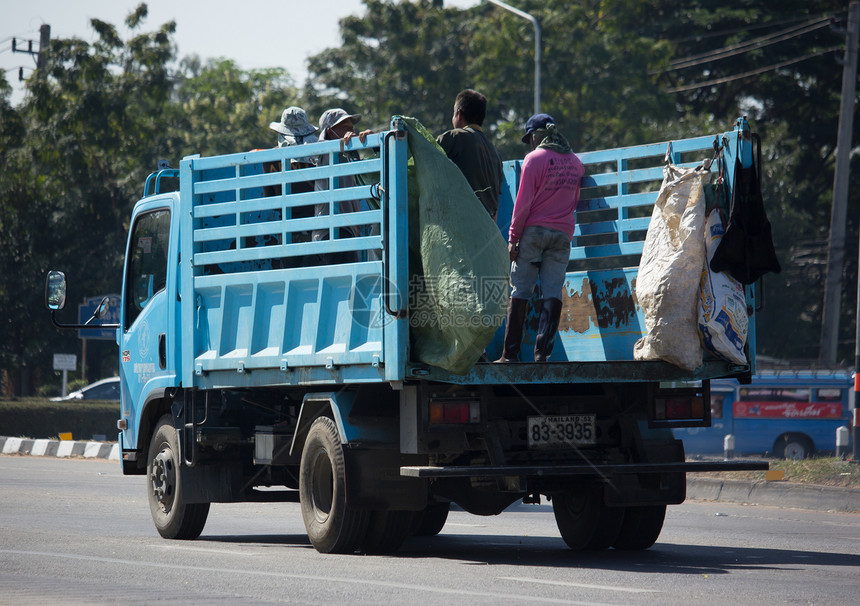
(578, 470)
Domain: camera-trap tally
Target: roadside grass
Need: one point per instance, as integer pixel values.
(40, 418)
(821, 471)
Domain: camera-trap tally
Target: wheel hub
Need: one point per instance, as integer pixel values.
(322, 487)
(162, 479)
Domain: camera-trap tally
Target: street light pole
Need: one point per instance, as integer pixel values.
(534, 21)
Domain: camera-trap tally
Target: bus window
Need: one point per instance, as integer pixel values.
(828, 394)
(770, 394)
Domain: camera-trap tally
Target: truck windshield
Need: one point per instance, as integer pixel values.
(147, 267)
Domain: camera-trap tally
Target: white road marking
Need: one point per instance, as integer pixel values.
(205, 550)
(582, 585)
(456, 591)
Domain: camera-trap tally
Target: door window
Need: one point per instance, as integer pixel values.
(147, 265)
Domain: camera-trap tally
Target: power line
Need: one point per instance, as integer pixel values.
(755, 72)
(745, 28)
(743, 47)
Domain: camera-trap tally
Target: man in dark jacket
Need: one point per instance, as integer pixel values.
(470, 149)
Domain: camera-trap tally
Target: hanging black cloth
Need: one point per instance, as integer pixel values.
(746, 251)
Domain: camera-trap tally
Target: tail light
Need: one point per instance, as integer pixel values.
(684, 407)
(455, 412)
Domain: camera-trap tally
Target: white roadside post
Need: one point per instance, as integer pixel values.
(729, 447)
(841, 442)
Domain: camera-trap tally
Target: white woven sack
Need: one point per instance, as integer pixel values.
(667, 287)
(723, 320)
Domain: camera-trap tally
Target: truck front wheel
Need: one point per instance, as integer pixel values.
(173, 518)
(333, 526)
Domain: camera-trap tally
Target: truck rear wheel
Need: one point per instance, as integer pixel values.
(432, 519)
(173, 518)
(387, 530)
(584, 521)
(641, 527)
(333, 526)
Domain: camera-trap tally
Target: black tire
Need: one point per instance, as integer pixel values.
(173, 518)
(333, 526)
(608, 527)
(387, 530)
(641, 527)
(432, 519)
(576, 515)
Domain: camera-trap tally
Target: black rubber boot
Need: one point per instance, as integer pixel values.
(514, 329)
(550, 314)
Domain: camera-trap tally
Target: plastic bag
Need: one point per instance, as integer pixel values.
(723, 320)
(746, 250)
(667, 286)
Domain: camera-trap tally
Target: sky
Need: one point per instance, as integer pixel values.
(254, 33)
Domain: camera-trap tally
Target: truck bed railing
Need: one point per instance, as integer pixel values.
(288, 262)
(601, 319)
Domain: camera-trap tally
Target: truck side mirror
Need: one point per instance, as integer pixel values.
(102, 309)
(55, 290)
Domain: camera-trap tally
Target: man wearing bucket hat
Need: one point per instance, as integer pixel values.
(295, 129)
(540, 234)
(338, 124)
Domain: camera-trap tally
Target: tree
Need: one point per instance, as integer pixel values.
(97, 119)
(792, 98)
(219, 109)
(613, 74)
(90, 130)
(400, 58)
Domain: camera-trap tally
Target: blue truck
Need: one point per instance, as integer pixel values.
(259, 363)
(790, 414)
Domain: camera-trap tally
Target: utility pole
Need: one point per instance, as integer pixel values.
(836, 253)
(44, 41)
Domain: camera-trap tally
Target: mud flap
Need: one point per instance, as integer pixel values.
(374, 481)
(667, 488)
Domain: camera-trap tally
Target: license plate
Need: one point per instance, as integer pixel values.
(562, 432)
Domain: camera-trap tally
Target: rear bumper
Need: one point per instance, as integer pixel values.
(546, 471)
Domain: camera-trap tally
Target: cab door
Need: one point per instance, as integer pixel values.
(145, 367)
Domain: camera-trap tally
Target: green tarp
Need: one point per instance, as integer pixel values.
(459, 261)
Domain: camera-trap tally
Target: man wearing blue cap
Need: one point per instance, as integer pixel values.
(540, 234)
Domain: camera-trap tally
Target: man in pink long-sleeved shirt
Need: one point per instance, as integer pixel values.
(541, 230)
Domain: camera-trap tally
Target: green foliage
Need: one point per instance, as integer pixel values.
(402, 58)
(221, 109)
(39, 418)
(610, 76)
(95, 122)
